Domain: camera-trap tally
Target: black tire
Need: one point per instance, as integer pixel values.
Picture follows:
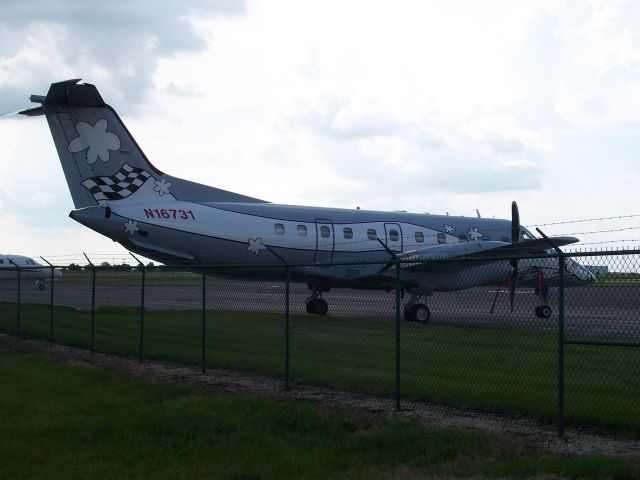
(317, 306)
(545, 311)
(409, 315)
(421, 313)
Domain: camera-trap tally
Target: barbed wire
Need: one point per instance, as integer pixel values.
(584, 220)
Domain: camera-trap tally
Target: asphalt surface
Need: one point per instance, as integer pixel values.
(601, 311)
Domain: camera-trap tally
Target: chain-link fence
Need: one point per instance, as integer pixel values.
(547, 342)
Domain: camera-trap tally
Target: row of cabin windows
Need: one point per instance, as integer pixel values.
(347, 232)
(394, 236)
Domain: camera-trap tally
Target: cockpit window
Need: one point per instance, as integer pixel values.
(526, 234)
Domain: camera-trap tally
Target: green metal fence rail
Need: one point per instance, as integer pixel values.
(580, 366)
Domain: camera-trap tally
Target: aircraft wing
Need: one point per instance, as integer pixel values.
(422, 260)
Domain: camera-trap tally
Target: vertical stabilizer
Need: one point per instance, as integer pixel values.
(101, 161)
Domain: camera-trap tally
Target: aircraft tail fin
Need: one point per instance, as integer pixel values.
(101, 160)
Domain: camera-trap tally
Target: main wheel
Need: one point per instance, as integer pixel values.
(417, 313)
(321, 307)
(317, 306)
(421, 313)
(408, 315)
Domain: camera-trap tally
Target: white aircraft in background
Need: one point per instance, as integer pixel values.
(29, 269)
(120, 194)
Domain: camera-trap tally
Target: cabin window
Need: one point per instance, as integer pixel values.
(302, 230)
(462, 237)
(505, 239)
(442, 238)
(419, 237)
(325, 232)
(279, 229)
(393, 235)
(348, 232)
(371, 234)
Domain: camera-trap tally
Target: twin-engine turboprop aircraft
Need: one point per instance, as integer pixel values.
(28, 268)
(120, 194)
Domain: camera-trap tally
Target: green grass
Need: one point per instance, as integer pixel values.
(492, 370)
(71, 422)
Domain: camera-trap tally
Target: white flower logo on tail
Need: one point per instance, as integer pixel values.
(96, 140)
(162, 187)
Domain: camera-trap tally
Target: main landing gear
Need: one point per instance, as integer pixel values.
(315, 303)
(416, 311)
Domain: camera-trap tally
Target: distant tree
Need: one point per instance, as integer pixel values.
(105, 264)
(74, 267)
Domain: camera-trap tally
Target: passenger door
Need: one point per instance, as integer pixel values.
(325, 240)
(393, 235)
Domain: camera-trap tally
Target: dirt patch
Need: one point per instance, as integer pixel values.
(527, 434)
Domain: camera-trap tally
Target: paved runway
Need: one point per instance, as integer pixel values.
(611, 311)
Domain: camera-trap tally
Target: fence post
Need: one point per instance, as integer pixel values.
(397, 391)
(286, 329)
(142, 288)
(204, 318)
(93, 303)
(18, 305)
(51, 301)
(561, 344)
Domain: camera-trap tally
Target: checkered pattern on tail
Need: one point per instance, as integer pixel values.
(122, 184)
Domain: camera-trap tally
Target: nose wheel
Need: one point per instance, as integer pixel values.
(543, 311)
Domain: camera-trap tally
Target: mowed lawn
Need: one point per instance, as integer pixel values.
(505, 371)
(62, 421)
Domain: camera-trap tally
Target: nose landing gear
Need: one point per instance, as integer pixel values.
(542, 291)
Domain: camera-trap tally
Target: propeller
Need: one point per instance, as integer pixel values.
(513, 276)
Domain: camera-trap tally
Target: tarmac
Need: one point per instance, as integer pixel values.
(590, 311)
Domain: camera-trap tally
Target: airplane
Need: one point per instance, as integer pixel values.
(29, 269)
(117, 192)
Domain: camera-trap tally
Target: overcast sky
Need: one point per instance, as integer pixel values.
(438, 106)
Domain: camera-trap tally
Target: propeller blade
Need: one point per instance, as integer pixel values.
(515, 223)
(513, 280)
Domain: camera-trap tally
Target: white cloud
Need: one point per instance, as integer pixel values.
(419, 106)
